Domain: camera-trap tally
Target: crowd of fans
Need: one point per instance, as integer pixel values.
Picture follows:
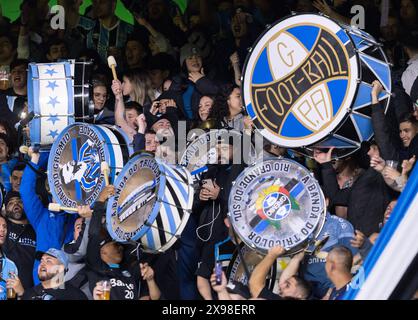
(175, 67)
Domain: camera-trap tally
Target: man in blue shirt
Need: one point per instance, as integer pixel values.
(7, 267)
(52, 230)
(338, 268)
(6, 162)
(340, 233)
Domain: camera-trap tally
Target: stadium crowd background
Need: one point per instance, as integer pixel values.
(188, 67)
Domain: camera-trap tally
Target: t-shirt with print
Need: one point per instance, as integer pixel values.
(340, 233)
(7, 268)
(67, 292)
(20, 248)
(125, 285)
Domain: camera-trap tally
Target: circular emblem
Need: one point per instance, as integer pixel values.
(203, 151)
(276, 202)
(300, 80)
(135, 201)
(74, 164)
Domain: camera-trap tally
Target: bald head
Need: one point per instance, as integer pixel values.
(342, 258)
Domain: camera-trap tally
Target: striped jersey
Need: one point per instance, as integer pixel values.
(101, 38)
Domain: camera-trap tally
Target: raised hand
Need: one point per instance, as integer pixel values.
(142, 123)
(407, 165)
(117, 88)
(85, 211)
(106, 193)
(276, 251)
(358, 239)
(322, 157)
(377, 163)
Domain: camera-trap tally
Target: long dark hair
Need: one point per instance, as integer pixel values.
(220, 108)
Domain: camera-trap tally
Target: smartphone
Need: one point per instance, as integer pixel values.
(208, 183)
(218, 273)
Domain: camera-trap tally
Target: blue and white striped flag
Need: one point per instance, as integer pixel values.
(395, 248)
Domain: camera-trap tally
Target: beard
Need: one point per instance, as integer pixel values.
(46, 276)
(16, 214)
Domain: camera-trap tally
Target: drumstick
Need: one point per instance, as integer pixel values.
(105, 170)
(112, 65)
(25, 149)
(55, 207)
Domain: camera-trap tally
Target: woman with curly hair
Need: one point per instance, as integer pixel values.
(228, 108)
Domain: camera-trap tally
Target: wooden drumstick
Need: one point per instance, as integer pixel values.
(105, 170)
(112, 65)
(55, 207)
(24, 149)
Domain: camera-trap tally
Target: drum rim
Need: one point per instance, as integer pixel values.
(235, 256)
(253, 245)
(248, 57)
(153, 214)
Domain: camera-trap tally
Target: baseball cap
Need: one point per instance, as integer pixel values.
(59, 254)
(10, 195)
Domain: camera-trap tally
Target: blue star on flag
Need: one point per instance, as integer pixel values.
(53, 101)
(53, 133)
(50, 71)
(53, 118)
(52, 85)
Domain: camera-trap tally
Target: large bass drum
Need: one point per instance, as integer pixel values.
(307, 84)
(277, 202)
(58, 96)
(74, 164)
(152, 203)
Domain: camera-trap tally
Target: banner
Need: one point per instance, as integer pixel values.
(394, 250)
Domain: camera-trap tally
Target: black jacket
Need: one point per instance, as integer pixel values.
(204, 86)
(389, 149)
(366, 199)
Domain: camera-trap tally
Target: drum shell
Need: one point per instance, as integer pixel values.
(174, 211)
(58, 95)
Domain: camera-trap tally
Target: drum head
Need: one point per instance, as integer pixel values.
(300, 80)
(276, 202)
(202, 152)
(74, 164)
(135, 205)
(236, 270)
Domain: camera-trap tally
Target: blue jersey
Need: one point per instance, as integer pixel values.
(6, 172)
(101, 38)
(7, 267)
(340, 232)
